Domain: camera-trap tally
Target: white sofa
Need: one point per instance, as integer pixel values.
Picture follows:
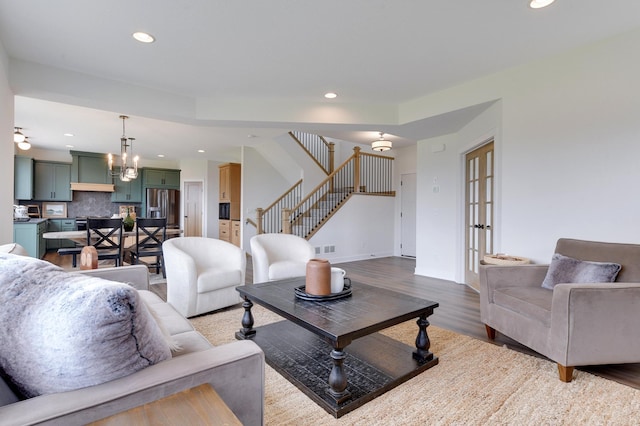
(279, 256)
(202, 274)
(234, 370)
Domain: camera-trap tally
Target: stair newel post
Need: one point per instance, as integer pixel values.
(356, 169)
(259, 219)
(332, 150)
(286, 224)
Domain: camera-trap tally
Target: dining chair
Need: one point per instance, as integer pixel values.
(150, 234)
(106, 236)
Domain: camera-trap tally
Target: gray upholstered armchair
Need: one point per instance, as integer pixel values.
(573, 324)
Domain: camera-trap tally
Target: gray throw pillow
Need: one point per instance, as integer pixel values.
(564, 269)
(62, 331)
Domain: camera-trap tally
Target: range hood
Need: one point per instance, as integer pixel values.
(95, 187)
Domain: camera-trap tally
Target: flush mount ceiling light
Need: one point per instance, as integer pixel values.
(128, 170)
(381, 144)
(143, 37)
(17, 135)
(330, 95)
(24, 145)
(537, 4)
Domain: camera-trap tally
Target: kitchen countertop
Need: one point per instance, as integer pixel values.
(30, 221)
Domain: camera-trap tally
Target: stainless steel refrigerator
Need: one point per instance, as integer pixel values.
(164, 203)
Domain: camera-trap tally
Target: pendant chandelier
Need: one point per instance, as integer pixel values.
(381, 144)
(21, 139)
(17, 135)
(128, 165)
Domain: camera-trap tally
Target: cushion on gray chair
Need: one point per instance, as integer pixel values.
(564, 269)
(62, 331)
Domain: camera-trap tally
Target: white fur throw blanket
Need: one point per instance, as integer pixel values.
(61, 331)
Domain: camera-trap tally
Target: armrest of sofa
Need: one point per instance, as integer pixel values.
(136, 275)
(495, 276)
(235, 370)
(595, 323)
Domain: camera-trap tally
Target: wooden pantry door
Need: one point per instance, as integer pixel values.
(479, 205)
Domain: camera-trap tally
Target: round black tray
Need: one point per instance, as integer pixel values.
(301, 294)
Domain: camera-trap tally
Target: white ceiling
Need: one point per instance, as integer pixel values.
(371, 52)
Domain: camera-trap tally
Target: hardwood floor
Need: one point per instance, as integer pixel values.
(459, 308)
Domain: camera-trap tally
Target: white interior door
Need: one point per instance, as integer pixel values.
(193, 200)
(408, 215)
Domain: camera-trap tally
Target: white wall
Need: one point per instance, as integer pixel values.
(567, 143)
(261, 185)
(361, 229)
(6, 151)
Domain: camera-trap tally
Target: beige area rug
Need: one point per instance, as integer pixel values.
(475, 383)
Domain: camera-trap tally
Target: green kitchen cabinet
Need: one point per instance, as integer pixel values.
(90, 167)
(60, 225)
(52, 181)
(30, 236)
(22, 178)
(161, 178)
(127, 191)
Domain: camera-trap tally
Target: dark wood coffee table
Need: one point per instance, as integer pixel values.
(310, 350)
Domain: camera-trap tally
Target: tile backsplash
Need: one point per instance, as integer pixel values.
(86, 203)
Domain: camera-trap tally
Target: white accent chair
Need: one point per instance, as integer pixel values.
(13, 248)
(202, 274)
(279, 256)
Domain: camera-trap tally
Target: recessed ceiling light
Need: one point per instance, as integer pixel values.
(69, 146)
(143, 37)
(251, 136)
(201, 150)
(330, 95)
(537, 4)
(69, 134)
(161, 155)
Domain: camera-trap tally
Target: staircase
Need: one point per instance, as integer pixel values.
(308, 222)
(362, 173)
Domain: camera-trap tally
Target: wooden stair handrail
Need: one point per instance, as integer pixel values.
(287, 192)
(330, 152)
(324, 182)
(260, 212)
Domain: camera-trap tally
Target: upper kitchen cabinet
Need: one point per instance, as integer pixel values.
(229, 182)
(51, 181)
(161, 178)
(90, 171)
(127, 191)
(22, 178)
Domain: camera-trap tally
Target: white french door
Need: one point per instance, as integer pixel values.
(479, 206)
